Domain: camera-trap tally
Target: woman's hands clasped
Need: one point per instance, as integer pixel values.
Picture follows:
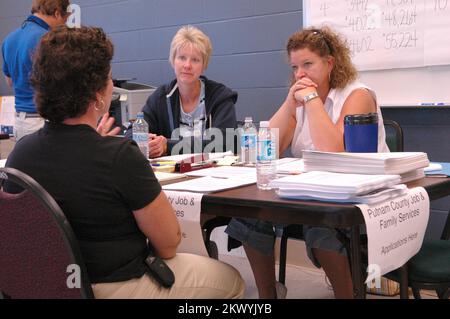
(299, 90)
(157, 145)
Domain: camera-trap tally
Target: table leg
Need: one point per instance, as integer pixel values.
(355, 257)
(404, 291)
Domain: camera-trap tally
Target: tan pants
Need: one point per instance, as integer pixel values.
(196, 277)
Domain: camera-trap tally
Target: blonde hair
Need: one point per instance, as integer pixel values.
(191, 35)
(325, 42)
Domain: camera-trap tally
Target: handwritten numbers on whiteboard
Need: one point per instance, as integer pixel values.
(440, 5)
(324, 7)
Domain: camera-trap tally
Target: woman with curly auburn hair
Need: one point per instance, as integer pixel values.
(321, 41)
(104, 184)
(324, 90)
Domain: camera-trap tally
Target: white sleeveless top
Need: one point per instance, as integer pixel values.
(333, 106)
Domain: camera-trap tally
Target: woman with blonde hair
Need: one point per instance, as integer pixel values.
(189, 105)
(324, 90)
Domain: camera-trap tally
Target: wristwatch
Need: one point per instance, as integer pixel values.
(310, 96)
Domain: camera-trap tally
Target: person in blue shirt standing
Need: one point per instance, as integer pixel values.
(17, 51)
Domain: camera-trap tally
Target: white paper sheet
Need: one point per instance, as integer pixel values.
(433, 167)
(7, 114)
(178, 158)
(196, 156)
(225, 172)
(297, 166)
(395, 230)
(209, 184)
(187, 207)
(371, 198)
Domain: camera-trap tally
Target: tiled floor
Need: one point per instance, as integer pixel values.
(5, 148)
(301, 282)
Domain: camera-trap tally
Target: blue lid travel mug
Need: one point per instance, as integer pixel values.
(361, 133)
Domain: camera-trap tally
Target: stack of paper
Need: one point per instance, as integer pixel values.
(336, 182)
(374, 197)
(412, 175)
(365, 163)
(339, 187)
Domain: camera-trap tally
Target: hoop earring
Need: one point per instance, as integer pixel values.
(102, 108)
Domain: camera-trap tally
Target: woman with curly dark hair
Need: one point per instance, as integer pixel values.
(324, 90)
(104, 184)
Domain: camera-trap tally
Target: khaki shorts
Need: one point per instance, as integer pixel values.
(25, 125)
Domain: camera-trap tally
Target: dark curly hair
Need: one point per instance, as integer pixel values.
(70, 66)
(325, 42)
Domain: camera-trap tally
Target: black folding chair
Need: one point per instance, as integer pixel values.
(40, 257)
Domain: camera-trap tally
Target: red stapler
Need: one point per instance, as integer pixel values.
(187, 167)
(196, 161)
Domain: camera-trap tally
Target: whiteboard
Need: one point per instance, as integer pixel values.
(400, 47)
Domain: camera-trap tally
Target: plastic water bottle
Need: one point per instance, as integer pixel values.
(267, 150)
(140, 133)
(248, 142)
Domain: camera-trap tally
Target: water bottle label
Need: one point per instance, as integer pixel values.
(266, 151)
(248, 141)
(140, 137)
